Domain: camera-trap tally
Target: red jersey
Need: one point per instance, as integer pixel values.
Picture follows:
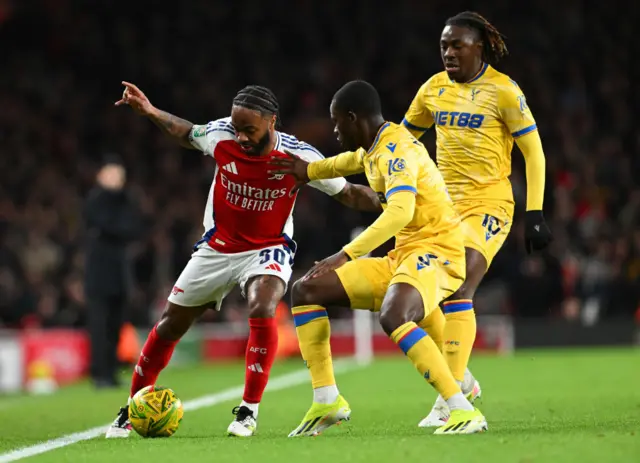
(248, 208)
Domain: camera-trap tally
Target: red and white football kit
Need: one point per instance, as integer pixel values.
(248, 218)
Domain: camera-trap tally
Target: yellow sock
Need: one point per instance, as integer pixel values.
(314, 334)
(459, 333)
(426, 357)
(434, 326)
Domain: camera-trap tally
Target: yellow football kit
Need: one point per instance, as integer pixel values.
(428, 255)
(429, 250)
(476, 124)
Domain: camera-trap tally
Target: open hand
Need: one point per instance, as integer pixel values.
(291, 165)
(327, 265)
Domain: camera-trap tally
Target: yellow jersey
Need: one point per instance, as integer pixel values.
(398, 162)
(476, 124)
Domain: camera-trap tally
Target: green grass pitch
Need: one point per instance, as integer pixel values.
(542, 406)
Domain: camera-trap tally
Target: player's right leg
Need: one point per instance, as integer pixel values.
(309, 298)
(155, 356)
(204, 280)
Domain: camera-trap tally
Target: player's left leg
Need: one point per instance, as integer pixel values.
(484, 236)
(263, 277)
(414, 292)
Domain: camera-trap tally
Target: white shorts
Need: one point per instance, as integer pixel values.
(210, 275)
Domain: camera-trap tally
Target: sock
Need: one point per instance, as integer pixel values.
(314, 333)
(459, 402)
(154, 357)
(426, 357)
(261, 352)
(440, 401)
(468, 382)
(326, 394)
(252, 407)
(434, 326)
(460, 333)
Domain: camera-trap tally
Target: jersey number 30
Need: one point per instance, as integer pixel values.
(277, 255)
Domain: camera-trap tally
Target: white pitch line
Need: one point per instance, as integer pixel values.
(275, 384)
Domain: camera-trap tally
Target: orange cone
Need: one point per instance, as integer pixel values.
(129, 345)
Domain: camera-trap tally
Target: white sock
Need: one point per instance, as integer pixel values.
(440, 402)
(252, 407)
(325, 394)
(468, 383)
(459, 402)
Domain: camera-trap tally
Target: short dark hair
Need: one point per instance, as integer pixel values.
(493, 48)
(359, 97)
(259, 99)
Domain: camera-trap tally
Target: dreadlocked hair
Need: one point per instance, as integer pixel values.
(259, 99)
(493, 48)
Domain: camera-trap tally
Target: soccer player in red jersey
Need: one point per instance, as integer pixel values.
(247, 241)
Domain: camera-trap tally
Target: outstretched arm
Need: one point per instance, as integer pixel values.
(319, 172)
(359, 197)
(340, 165)
(175, 127)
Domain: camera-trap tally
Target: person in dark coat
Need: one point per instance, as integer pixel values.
(113, 221)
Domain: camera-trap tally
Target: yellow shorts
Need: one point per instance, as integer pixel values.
(485, 228)
(435, 275)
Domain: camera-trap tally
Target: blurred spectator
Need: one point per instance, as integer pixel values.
(113, 221)
(63, 61)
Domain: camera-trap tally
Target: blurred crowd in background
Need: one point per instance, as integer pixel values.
(62, 63)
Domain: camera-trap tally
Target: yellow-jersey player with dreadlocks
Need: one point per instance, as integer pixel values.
(478, 112)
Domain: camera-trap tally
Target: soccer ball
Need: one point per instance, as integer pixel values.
(155, 412)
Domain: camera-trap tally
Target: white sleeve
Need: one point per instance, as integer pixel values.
(206, 137)
(331, 186)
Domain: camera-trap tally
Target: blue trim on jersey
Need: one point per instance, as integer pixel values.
(396, 189)
(411, 339)
(375, 141)
(278, 141)
(457, 307)
(306, 317)
(524, 131)
(409, 125)
(205, 238)
(480, 73)
(292, 245)
(295, 144)
(298, 144)
(218, 129)
(221, 125)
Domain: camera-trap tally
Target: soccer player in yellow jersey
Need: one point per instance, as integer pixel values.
(426, 266)
(478, 112)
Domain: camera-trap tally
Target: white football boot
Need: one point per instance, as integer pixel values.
(439, 414)
(245, 424)
(121, 426)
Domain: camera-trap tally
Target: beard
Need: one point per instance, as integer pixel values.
(257, 148)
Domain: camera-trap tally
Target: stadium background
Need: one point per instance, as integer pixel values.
(62, 62)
